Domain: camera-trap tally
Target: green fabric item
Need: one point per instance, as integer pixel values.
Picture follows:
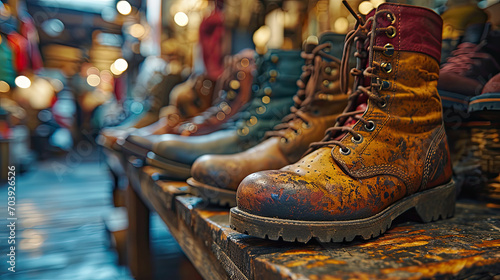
(7, 72)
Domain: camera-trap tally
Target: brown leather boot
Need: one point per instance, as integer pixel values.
(381, 159)
(318, 103)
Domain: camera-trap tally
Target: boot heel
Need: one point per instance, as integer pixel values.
(437, 203)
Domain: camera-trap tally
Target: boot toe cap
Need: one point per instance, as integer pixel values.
(281, 194)
(216, 171)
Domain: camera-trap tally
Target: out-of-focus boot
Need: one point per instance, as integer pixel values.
(470, 66)
(234, 90)
(272, 95)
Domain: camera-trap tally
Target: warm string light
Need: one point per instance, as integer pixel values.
(124, 7)
(23, 82)
(181, 19)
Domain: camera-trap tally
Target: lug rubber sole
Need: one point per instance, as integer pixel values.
(430, 205)
(486, 105)
(212, 195)
(454, 100)
(172, 169)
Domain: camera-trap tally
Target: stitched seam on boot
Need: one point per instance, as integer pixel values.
(431, 152)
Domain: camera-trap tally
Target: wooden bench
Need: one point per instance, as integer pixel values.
(467, 245)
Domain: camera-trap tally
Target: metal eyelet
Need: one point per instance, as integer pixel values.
(260, 110)
(391, 17)
(220, 116)
(382, 104)
(345, 153)
(241, 75)
(386, 67)
(284, 140)
(389, 50)
(358, 141)
(245, 62)
(391, 34)
(328, 48)
(370, 126)
(207, 84)
(384, 85)
(306, 125)
(298, 132)
(243, 131)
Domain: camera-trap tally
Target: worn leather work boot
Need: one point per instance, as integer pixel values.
(387, 154)
(272, 92)
(234, 89)
(318, 103)
(470, 66)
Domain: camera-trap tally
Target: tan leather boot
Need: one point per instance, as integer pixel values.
(381, 159)
(318, 103)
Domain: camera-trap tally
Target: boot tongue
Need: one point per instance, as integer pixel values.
(337, 42)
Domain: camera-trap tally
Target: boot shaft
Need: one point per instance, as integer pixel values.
(272, 93)
(405, 54)
(400, 132)
(233, 91)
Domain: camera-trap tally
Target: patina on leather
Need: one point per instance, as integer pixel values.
(378, 153)
(318, 103)
(272, 92)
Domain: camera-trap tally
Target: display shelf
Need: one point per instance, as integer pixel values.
(467, 245)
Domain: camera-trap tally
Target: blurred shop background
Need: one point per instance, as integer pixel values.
(69, 68)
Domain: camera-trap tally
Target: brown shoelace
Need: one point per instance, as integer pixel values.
(360, 37)
(305, 93)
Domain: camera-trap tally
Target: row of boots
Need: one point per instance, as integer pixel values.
(330, 143)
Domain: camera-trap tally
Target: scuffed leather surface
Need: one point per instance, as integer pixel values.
(407, 152)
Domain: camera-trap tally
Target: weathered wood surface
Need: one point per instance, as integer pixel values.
(466, 246)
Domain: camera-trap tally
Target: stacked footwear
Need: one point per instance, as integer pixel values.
(318, 103)
(455, 21)
(387, 154)
(469, 68)
(272, 92)
(233, 88)
(159, 98)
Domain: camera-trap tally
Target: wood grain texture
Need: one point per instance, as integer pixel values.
(466, 246)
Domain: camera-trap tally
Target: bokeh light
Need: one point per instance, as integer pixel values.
(181, 19)
(23, 82)
(123, 7)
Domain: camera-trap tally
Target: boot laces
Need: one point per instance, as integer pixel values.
(463, 58)
(305, 94)
(363, 38)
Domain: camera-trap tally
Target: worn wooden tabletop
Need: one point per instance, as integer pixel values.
(466, 246)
